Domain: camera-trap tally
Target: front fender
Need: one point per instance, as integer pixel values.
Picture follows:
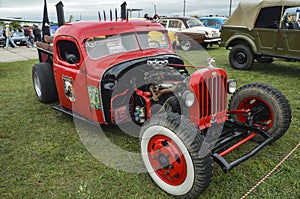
(236, 39)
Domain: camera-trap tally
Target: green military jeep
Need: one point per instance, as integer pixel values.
(262, 31)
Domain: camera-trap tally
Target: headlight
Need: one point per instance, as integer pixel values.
(231, 83)
(188, 98)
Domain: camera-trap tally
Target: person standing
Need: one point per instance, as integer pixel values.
(28, 35)
(36, 33)
(8, 38)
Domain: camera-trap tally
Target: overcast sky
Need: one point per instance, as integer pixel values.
(87, 9)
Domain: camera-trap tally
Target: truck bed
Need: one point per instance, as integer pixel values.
(45, 49)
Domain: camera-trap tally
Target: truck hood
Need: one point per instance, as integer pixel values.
(212, 32)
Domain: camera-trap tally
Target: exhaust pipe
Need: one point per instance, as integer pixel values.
(60, 14)
(123, 11)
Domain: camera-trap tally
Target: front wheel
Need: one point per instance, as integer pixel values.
(241, 57)
(170, 147)
(269, 108)
(204, 45)
(186, 45)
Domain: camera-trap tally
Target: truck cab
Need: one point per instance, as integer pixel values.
(125, 73)
(91, 61)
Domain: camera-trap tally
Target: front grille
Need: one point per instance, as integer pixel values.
(212, 96)
(210, 87)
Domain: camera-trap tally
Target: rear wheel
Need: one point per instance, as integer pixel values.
(268, 107)
(44, 83)
(170, 147)
(241, 57)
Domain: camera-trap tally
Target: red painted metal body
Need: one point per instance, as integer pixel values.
(88, 72)
(125, 71)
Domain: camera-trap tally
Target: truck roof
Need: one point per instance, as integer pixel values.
(83, 29)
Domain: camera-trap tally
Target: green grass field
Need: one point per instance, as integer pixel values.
(42, 156)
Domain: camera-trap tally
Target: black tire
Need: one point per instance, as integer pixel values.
(44, 83)
(174, 45)
(264, 60)
(241, 57)
(186, 45)
(174, 144)
(272, 108)
(204, 45)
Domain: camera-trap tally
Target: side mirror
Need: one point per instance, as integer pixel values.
(71, 58)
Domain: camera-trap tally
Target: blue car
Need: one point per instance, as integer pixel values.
(213, 22)
(53, 29)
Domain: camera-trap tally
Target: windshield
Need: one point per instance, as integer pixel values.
(101, 46)
(194, 23)
(152, 39)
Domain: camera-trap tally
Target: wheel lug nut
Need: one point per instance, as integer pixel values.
(167, 173)
(158, 151)
(167, 155)
(154, 158)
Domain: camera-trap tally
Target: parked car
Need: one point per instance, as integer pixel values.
(256, 31)
(213, 22)
(53, 29)
(190, 31)
(19, 38)
(2, 40)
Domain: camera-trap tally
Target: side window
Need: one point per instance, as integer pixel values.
(291, 18)
(66, 47)
(267, 20)
(175, 24)
(163, 22)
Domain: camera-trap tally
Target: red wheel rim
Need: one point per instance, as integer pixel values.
(252, 103)
(167, 160)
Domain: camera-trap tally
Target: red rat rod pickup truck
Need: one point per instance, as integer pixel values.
(125, 72)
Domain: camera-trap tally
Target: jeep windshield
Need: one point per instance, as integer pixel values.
(194, 23)
(101, 46)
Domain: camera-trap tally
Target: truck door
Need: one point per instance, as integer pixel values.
(266, 30)
(291, 41)
(266, 38)
(70, 76)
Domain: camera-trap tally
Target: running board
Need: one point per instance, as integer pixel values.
(77, 116)
(219, 157)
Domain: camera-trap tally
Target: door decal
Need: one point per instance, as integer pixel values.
(69, 88)
(94, 97)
